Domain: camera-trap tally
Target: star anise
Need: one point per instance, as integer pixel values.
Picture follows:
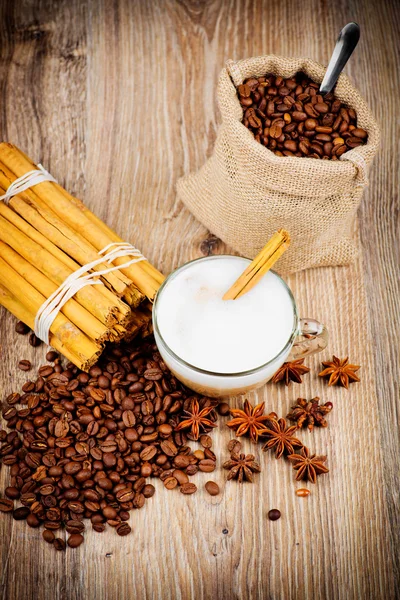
(196, 419)
(339, 370)
(249, 420)
(309, 413)
(242, 467)
(291, 371)
(308, 466)
(281, 438)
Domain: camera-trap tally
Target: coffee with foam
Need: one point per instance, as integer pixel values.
(224, 336)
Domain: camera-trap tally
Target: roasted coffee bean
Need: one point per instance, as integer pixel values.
(223, 409)
(6, 505)
(274, 514)
(148, 491)
(21, 328)
(188, 488)
(281, 116)
(181, 461)
(48, 536)
(123, 529)
(212, 488)
(192, 470)
(59, 544)
(169, 448)
(205, 441)
(24, 365)
(32, 521)
(12, 492)
(34, 341)
(19, 514)
(170, 483)
(180, 476)
(208, 453)
(75, 540)
(234, 446)
(51, 355)
(207, 465)
(74, 526)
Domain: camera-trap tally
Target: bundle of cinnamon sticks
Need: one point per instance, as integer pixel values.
(46, 235)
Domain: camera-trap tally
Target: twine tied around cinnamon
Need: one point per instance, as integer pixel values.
(81, 277)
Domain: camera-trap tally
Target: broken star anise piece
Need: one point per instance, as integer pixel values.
(291, 371)
(250, 420)
(309, 413)
(308, 466)
(242, 467)
(196, 419)
(281, 438)
(339, 370)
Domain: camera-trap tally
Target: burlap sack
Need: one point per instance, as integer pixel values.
(244, 192)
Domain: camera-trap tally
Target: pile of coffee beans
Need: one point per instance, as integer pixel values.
(291, 118)
(82, 445)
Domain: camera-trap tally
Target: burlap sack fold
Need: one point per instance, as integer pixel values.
(244, 192)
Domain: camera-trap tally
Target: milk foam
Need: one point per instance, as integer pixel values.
(224, 336)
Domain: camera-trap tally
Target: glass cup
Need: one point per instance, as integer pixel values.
(307, 337)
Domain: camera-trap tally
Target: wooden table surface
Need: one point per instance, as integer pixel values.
(117, 99)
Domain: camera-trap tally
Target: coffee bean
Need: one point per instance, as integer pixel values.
(207, 465)
(223, 409)
(59, 544)
(51, 355)
(169, 448)
(24, 365)
(212, 488)
(148, 491)
(34, 341)
(274, 514)
(188, 488)
(192, 470)
(21, 328)
(12, 492)
(153, 374)
(205, 441)
(74, 526)
(6, 505)
(48, 536)
(181, 461)
(123, 529)
(360, 133)
(180, 476)
(234, 446)
(75, 540)
(21, 513)
(32, 521)
(170, 483)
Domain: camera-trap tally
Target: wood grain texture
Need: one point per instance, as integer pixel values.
(117, 99)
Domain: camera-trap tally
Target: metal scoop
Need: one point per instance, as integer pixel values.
(346, 42)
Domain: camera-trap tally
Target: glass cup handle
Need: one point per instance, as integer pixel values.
(313, 338)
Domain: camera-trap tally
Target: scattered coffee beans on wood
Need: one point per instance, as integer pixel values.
(291, 118)
(81, 445)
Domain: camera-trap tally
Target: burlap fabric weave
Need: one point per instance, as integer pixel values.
(244, 192)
